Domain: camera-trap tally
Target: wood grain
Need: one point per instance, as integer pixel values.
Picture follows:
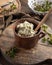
(47, 50)
(33, 56)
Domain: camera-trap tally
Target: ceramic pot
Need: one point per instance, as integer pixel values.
(27, 42)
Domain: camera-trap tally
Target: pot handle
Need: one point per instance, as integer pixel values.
(41, 34)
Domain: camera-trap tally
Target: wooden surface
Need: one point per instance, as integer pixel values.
(33, 56)
(17, 10)
(2, 2)
(26, 9)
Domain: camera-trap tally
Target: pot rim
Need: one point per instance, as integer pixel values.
(30, 22)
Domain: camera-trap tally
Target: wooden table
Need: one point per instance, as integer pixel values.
(47, 50)
(33, 56)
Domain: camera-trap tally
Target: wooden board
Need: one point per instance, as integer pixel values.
(2, 2)
(26, 9)
(33, 56)
(16, 2)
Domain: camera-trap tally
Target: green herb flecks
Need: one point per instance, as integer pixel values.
(13, 6)
(44, 40)
(44, 27)
(44, 7)
(50, 38)
(12, 52)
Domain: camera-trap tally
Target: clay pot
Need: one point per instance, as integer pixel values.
(29, 42)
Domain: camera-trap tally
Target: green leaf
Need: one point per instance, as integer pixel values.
(44, 40)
